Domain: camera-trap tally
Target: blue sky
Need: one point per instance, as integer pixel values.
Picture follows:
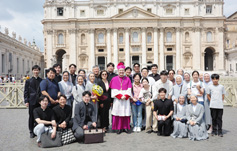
(24, 17)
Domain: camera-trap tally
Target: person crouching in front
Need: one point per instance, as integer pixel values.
(84, 116)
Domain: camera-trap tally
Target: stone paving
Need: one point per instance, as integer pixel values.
(14, 136)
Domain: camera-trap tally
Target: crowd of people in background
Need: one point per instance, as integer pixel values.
(170, 103)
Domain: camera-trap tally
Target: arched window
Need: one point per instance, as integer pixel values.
(60, 39)
(209, 36)
(149, 37)
(187, 36)
(120, 38)
(169, 37)
(83, 39)
(101, 38)
(135, 37)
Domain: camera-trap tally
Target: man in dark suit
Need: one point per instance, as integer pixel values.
(84, 116)
(110, 69)
(31, 96)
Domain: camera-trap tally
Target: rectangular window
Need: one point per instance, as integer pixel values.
(135, 59)
(82, 13)
(3, 63)
(120, 11)
(60, 11)
(101, 62)
(135, 49)
(149, 49)
(209, 9)
(186, 11)
(169, 62)
(149, 10)
(169, 11)
(17, 62)
(101, 50)
(169, 49)
(121, 49)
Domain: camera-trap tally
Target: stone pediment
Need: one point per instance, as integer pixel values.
(233, 16)
(135, 13)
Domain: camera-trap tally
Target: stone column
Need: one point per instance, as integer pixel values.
(115, 47)
(127, 50)
(162, 62)
(108, 46)
(144, 47)
(49, 49)
(178, 48)
(72, 46)
(221, 49)
(197, 48)
(155, 45)
(92, 49)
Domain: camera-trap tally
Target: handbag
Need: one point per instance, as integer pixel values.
(93, 136)
(67, 136)
(47, 141)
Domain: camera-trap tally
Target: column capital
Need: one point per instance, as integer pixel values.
(155, 29)
(115, 29)
(127, 29)
(196, 29)
(221, 29)
(143, 29)
(49, 32)
(91, 30)
(72, 31)
(178, 29)
(108, 30)
(162, 29)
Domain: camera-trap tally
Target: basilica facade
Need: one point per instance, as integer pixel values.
(174, 34)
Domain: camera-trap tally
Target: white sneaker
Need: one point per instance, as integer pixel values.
(134, 129)
(138, 129)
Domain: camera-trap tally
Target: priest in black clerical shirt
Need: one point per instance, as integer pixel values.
(63, 113)
(154, 74)
(163, 110)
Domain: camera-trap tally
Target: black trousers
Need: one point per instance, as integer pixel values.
(31, 120)
(216, 115)
(164, 127)
(104, 114)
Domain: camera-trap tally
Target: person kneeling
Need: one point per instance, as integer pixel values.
(44, 118)
(84, 116)
(165, 110)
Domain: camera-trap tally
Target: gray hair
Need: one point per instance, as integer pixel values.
(96, 66)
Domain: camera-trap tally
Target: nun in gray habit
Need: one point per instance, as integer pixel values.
(180, 119)
(89, 85)
(207, 81)
(77, 91)
(179, 89)
(196, 124)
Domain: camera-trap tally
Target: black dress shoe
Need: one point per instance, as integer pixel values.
(159, 134)
(155, 131)
(32, 135)
(119, 131)
(220, 134)
(213, 133)
(149, 132)
(126, 131)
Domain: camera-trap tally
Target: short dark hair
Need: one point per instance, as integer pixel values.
(61, 95)
(154, 65)
(136, 64)
(145, 79)
(51, 69)
(195, 71)
(164, 72)
(215, 76)
(86, 93)
(137, 74)
(144, 69)
(72, 65)
(102, 72)
(57, 65)
(42, 97)
(82, 71)
(36, 67)
(162, 90)
(65, 72)
(110, 64)
(171, 70)
(128, 68)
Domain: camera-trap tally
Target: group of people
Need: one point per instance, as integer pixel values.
(169, 103)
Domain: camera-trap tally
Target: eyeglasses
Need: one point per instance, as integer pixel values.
(104, 74)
